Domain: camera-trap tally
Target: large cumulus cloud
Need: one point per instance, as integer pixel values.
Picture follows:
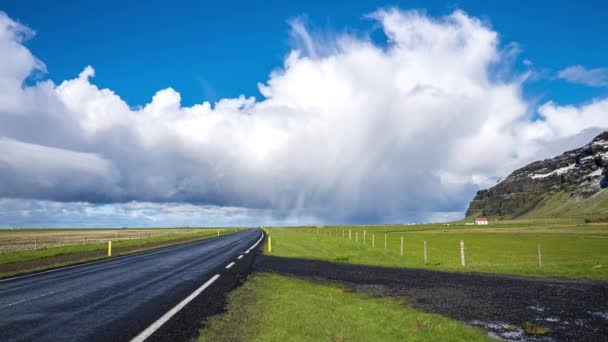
(346, 131)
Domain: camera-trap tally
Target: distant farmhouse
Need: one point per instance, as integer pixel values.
(481, 221)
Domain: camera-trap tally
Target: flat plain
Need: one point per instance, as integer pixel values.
(568, 249)
(27, 250)
(271, 307)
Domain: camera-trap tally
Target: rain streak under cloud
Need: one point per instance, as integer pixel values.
(346, 131)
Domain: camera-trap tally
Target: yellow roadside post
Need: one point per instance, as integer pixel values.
(109, 247)
(269, 244)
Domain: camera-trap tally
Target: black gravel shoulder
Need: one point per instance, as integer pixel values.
(574, 310)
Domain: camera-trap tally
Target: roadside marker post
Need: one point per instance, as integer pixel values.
(384, 241)
(109, 247)
(218, 232)
(540, 259)
(425, 259)
(35, 244)
(373, 240)
(349, 234)
(269, 244)
(356, 236)
(462, 253)
(401, 245)
(364, 232)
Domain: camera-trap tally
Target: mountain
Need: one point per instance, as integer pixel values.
(570, 185)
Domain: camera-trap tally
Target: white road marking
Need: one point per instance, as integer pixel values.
(178, 246)
(166, 317)
(240, 256)
(255, 244)
(230, 265)
(159, 323)
(25, 300)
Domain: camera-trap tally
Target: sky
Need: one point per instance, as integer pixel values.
(189, 113)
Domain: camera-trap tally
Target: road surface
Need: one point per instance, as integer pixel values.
(116, 299)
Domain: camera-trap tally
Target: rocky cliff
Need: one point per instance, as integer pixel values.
(580, 173)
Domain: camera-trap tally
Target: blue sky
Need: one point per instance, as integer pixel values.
(141, 113)
(224, 48)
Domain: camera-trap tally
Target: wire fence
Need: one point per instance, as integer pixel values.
(23, 241)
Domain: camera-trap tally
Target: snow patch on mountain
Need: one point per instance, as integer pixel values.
(554, 172)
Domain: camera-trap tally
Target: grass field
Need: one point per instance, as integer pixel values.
(276, 308)
(34, 239)
(567, 249)
(563, 206)
(74, 241)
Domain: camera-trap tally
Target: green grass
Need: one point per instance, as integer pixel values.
(165, 240)
(565, 206)
(276, 308)
(570, 251)
(561, 206)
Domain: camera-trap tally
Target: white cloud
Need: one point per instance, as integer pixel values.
(347, 131)
(38, 213)
(570, 120)
(590, 77)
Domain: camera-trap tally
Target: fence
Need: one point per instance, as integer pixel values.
(458, 250)
(31, 240)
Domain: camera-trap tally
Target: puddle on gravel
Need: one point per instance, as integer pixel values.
(536, 308)
(504, 331)
(603, 315)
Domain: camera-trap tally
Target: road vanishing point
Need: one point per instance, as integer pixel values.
(127, 298)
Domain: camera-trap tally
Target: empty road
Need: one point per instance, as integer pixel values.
(116, 299)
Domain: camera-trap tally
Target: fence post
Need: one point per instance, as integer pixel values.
(35, 243)
(425, 259)
(540, 259)
(462, 253)
(401, 245)
(373, 240)
(84, 240)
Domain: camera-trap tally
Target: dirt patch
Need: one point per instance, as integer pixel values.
(571, 310)
(79, 257)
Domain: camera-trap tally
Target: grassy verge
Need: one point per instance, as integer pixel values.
(118, 247)
(276, 308)
(567, 250)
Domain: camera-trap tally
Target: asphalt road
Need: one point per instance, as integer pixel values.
(116, 299)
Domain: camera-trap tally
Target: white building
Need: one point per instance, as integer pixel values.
(481, 221)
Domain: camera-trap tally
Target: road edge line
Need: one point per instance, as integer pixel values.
(142, 336)
(104, 259)
(167, 316)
